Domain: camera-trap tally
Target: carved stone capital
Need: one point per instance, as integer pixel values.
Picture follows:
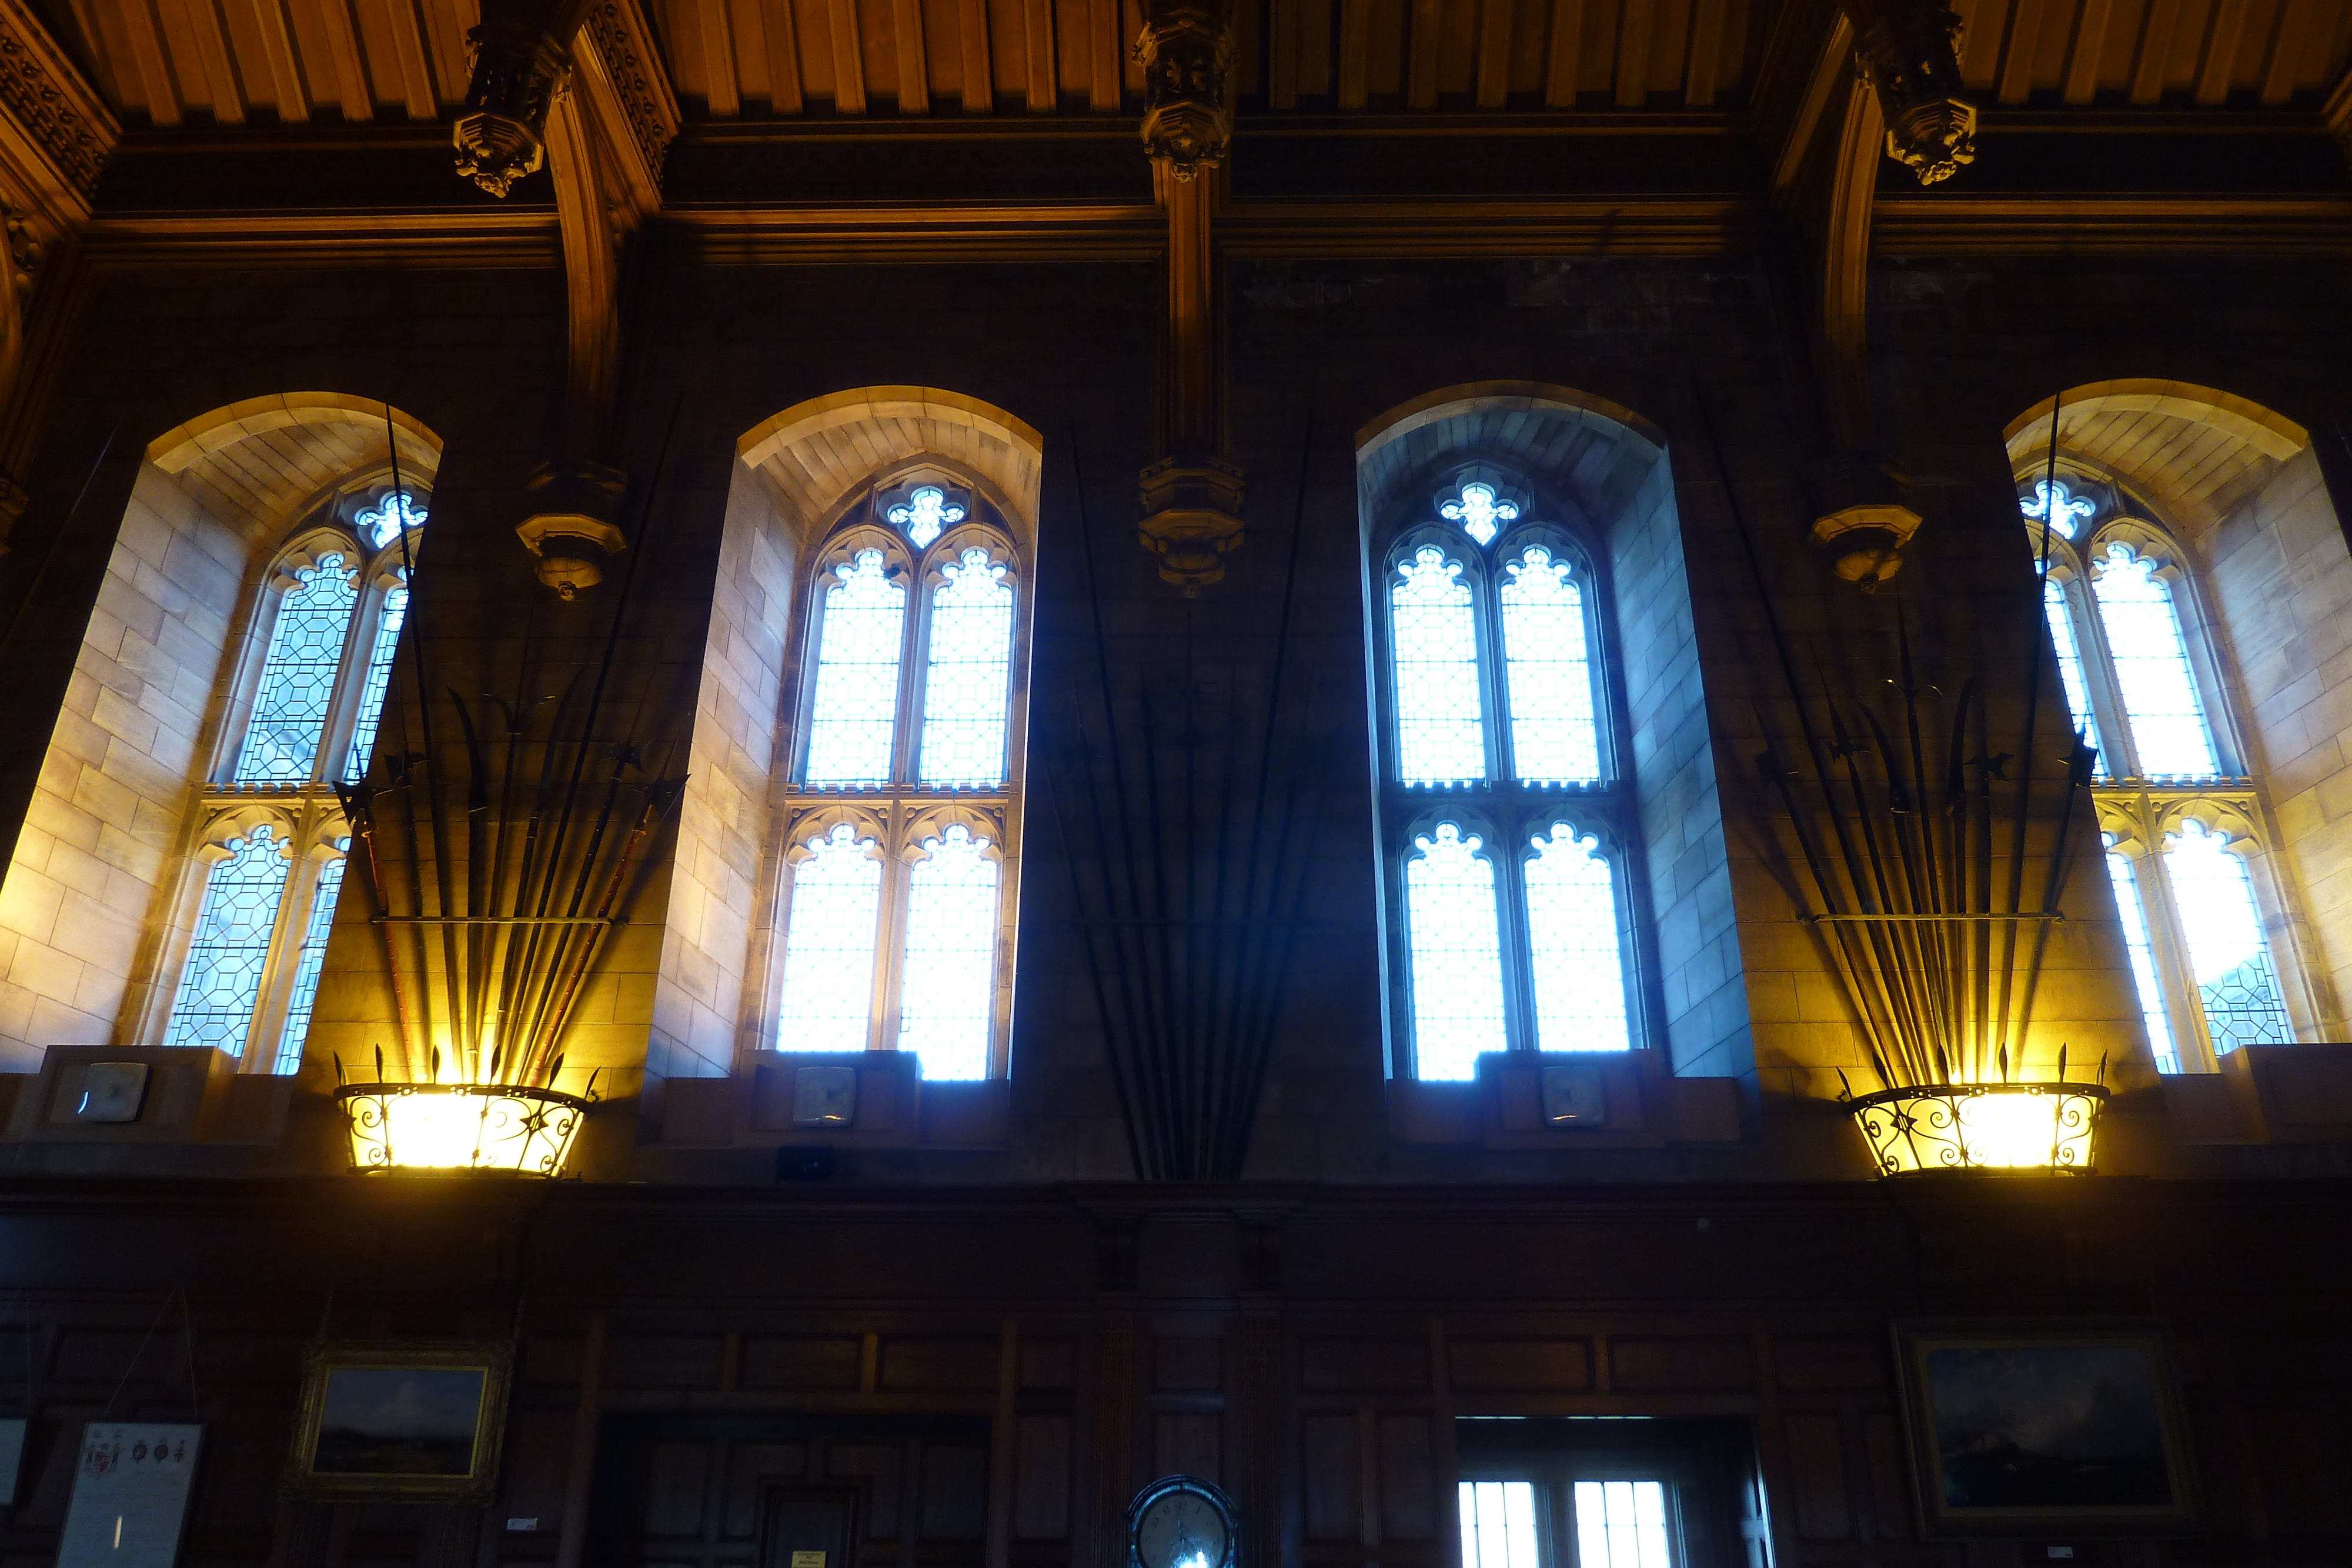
(1908, 54)
(1865, 519)
(1192, 518)
(571, 527)
(1186, 53)
(501, 134)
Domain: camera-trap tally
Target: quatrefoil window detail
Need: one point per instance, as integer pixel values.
(924, 514)
(1479, 513)
(379, 523)
(2062, 507)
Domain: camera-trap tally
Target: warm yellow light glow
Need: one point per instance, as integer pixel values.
(1987, 1127)
(460, 1126)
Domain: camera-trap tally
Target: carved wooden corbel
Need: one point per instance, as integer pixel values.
(1907, 52)
(1192, 494)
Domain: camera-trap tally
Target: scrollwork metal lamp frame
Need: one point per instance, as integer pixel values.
(1945, 1127)
(512, 1129)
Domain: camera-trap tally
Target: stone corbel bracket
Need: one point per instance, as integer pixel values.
(523, 56)
(1907, 52)
(56, 135)
(1191, 495)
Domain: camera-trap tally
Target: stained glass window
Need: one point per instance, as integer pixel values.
(2061, 618)
(837, 901)
(220, 985)
(297, 678)
(968, 687)
(2065, 510)
(379, 524)
(1498, 1525)
(306, 967)
(947, 1008)
(379, 681)
(1480, 515)
(1621, 1524)
(1441, 717)
(2222, 928)
(2134, 914)
(1454, 931)
(2150, 657)
(1555, 738)
(1574, 958)
(924, 514)
(853, 719)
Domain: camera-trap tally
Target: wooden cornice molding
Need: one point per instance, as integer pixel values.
(2338, 114)
(1953, 224)
(625, 90)
(743, 236)
(1591, 227)
(490, 238)
(55, 130)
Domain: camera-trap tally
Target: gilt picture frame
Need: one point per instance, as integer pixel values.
(2045, 1428)
(400, 1420)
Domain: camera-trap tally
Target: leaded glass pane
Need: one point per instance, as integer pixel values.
(924, 514)
(2055, 611)
(1440, 718)
(854, 714)
(307, 968)
(1480, 515)
(1498, 1524)
(2065, 510)
(2126, 877)
(1454, 938)
(830, 935)
(1579, 973)
(222, 982)
(379, 681)
(1621, 1524)
(947, 1007)
(968, 687)
(2169, 731)
(381, 523)
(2228, 956)
(1555, 738)
(297, 678)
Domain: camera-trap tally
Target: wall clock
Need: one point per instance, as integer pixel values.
(1178, 1522)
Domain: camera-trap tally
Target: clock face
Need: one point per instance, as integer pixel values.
(1182, 1530)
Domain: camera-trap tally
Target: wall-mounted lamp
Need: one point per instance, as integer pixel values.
(460, 1126)
(2025, 1128)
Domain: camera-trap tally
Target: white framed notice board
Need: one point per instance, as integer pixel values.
(130, 1495)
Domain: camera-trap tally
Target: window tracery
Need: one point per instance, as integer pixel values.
(1495, 705)
(2180, 821)
(895, 896)
(321, 650)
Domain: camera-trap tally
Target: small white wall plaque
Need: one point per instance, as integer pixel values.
(12, 1458)
(110, 1092)
(824, 1097)
(130, 1495)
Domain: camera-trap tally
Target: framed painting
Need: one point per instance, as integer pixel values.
(2043, 1428)
(400, 1420)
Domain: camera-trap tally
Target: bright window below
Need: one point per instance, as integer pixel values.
(1613, 1523)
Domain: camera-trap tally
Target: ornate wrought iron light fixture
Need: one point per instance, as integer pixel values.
(2023, 1127)
(502, 1127)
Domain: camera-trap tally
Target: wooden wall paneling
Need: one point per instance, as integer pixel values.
(1042, 87)
(1003, 1440)
(1260, 1418)
(587, 1424)
(848, 58)
(1889, 1465)
(1406, 1452)
(1331, 1473)
(1107, 1474)
(1818, 1476)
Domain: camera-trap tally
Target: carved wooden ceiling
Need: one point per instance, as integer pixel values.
(167, 63)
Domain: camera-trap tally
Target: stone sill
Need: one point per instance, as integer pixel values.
(194, 1096)
(2265, 1094)
(896, 1107)
(1640, 1106)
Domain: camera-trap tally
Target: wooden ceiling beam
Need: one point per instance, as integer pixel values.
(2287, 53)
(2090, 43)
(2025, 23)
(1282, 54)
(849, 59)
(1633, 86)
(1492, 88)
(1703, 73)
(1037, 35)
(341, 49)
(780, 35)
(914, 67)
(192, 34)
(1106, 77)
(257, 31)
(979, 69)
(2220, 52)
(1564, 60)
(2155, 45)
(1355, 53)
(1421, 68)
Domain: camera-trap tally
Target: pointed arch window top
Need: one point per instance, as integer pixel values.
(1482, 515)
(382, 523)
(925, 514)
(2053, 503)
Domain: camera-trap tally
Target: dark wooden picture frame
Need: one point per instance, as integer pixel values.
(2043, 1428)
(400, 1420)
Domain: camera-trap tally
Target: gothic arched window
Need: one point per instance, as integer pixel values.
(2180, 819)
(905, 790)
(304, 710)
(1509, 890)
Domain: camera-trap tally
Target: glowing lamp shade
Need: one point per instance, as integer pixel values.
(2023, 1127)
(460, 1127)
